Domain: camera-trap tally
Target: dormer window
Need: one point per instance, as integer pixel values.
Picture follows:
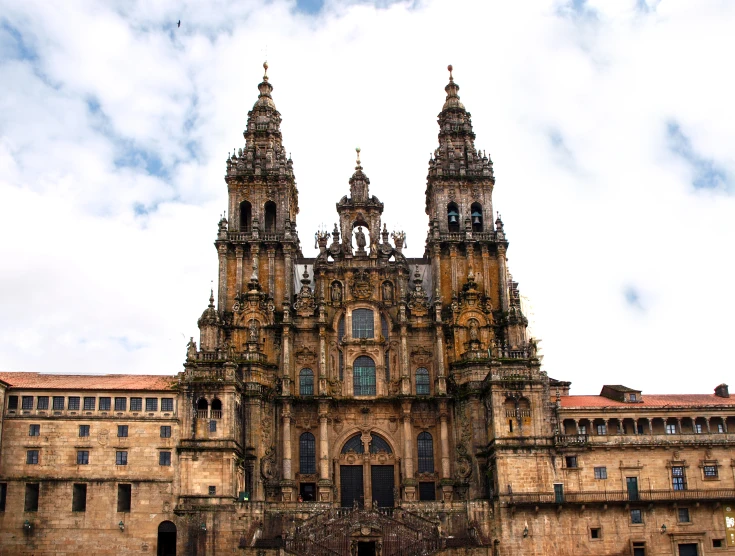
(633, 398)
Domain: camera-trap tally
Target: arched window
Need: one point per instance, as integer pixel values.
(246, 216)
(426, 453)
(216, 409)
(270, 217)
(476, 214)
(453, 217)
(422, 382)
(306, 382)
(363, 376)
(378, 444)
(202, 408)
(362, 323)
(307, 454)
(354, 444)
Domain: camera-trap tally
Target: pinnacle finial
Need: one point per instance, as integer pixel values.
(211, 297)
(265, 71)
(450, 68)
(357, 150)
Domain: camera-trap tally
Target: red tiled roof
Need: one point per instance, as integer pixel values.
(649, 401)
(88, 382)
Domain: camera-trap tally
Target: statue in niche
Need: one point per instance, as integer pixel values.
(387, 291)
(253, 333)
(336, 292)
(474, 331)
(360, 237)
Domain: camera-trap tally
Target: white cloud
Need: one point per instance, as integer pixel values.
(574, 107)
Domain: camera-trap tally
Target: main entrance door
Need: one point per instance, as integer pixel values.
(351, 486)
(166, 539)
(382, 481)
(688, 549)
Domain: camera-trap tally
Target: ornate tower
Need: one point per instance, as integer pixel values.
(231, 379)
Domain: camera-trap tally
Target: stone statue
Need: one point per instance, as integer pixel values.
(474, 331)
(387, 291)
(336, 292)
(253, 332)
(360, 236)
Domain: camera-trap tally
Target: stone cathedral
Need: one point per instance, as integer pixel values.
(361, 403)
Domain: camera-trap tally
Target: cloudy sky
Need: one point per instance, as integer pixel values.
(611, 126)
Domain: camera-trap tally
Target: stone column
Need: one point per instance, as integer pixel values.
(453, 262)
(238, 276)
(436, 263)
(441, 382)
(322, 367)
(367, 479)
(325, 484)
(286, 366)
(444, 439)
(405, 374)
(288, 275)
(485, 270)
(222, 293)
(503, 278)
(272, 271)
(255, 250)
(409, 484)
(287, 483)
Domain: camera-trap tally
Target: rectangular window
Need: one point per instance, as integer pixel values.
(136, 404)
(121, 404)
(582, 429)
(3, 495)
(31, 500)
(601, 430)
(600, 472)
(167, 404)
(32, 457)
(83, 457)
(83, 430)
(212, 490)
(427, 491)
(698, 428)
(123, 498)
(678, 478)
(79, 498)
(710, 471)
(633, 398)
(165, 431)
(571, 462)
(558, 493)
(151, 404)
(720, 427)
(121, 458)
(74, 403)
(42, 402)
(718, 543)
(13, 402)
(58, 402)
(671, 428)
(27, 402)
(683, 515)
(636, 516)
(362, 323)
(639, 428)
(88, 403)
(105, 404)
(213, 426)
(34, 430)
(164, 458)
(595, 533)
(122, 431)
(639, 549)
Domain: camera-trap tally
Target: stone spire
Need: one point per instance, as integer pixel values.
(359, 183)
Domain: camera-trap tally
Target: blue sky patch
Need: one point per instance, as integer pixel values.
(311, 7)
(146, 160)
(706, 173)
(633, 298)
(13, 45)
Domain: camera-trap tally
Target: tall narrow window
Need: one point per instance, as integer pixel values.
(678, 478)
(83, 457)
(3, 495)
(31, 500)
(453, 217)
(363, 376)
(422, 382)
(387, 366)
(307, 454)
(362, 323)
(123, 498)
(270, 217)
(341, 329)
(306, 382)
(246, 217)
(426, 453)
(384, 326)
(79, 498)
(13, 402)
(42, 402)
(341, 366)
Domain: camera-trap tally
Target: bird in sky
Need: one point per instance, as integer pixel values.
(178, 24)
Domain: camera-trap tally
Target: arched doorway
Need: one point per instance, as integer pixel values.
(367, 478)
(166, 539)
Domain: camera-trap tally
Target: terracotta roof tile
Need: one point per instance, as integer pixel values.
(88, 382)
(649, 401)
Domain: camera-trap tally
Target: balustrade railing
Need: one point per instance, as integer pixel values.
(624, 496)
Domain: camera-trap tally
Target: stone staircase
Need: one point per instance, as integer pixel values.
(388, 531)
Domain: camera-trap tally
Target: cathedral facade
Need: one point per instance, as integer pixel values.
(361, 403)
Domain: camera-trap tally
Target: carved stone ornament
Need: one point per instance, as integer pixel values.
(418, 301)
(361, 285)
(305, 356)
(268, 467)
(421, 356)
(305, 303)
